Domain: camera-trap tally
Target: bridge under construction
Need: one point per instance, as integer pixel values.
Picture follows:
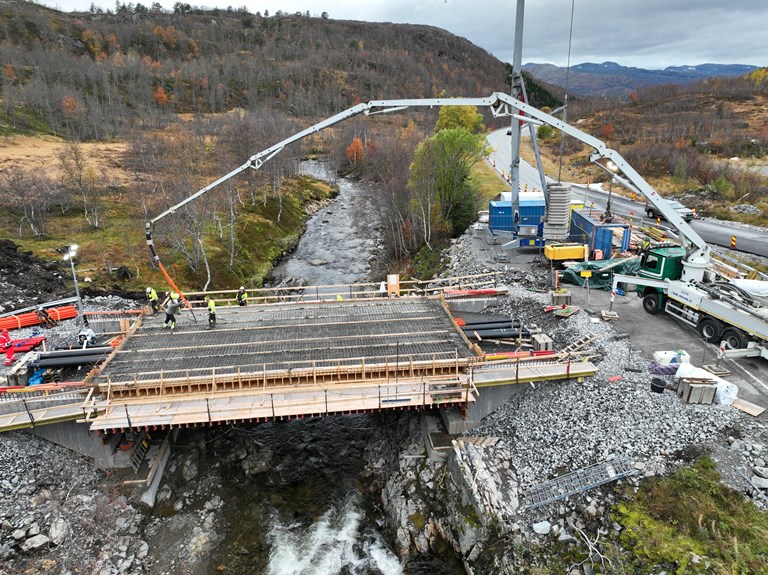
(284, 360)
(287, 359)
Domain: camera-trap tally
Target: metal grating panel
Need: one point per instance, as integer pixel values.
(576, 482)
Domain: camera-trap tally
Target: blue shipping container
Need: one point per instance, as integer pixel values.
(587, 228)
(500, 217)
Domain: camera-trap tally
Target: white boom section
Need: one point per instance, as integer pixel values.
(501, 105)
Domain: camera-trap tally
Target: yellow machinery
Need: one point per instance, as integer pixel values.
(565, 252)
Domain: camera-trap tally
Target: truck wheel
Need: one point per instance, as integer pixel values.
(710, 329)
(652, 303)
(734, 338)
(650, 213)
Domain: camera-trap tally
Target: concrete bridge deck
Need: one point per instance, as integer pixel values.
(288, 360)
(285, 360)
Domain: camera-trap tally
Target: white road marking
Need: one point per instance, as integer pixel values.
(760, 381)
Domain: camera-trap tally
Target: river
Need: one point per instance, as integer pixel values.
(312, 512)
(341, 240)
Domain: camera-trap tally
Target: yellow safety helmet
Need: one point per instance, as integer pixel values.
(174, 295)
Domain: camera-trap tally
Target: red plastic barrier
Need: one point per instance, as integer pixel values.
(30, 318)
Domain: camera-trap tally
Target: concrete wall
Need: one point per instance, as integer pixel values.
(76, 437)
(489, 399)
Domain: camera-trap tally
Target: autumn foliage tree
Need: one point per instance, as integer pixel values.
(161, 97)
(355, 151)
(466, 117)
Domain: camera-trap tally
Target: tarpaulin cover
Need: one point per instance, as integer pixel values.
(600, 279)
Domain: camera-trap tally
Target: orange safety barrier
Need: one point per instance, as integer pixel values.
(31, 318)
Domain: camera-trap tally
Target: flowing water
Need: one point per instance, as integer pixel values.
(309, 513)
(341, 239)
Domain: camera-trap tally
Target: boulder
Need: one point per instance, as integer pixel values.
(58, 531)
(542, 528)
(35, 542)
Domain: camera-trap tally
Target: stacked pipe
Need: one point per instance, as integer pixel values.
(64, 357)
(496, 328)
(31, 318)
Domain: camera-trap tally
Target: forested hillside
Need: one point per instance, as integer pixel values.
(703, 142)
(185, 97)
(98, 75)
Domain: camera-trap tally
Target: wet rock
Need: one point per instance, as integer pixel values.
(258, 462)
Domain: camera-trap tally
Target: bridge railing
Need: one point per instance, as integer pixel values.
(264, 376)
(283, 294)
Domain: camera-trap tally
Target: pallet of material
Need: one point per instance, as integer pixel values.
(566, 311)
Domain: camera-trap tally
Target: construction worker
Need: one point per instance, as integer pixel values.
(211, 312)
(7, 346)
(171, 307)
(645, 244)
(242, 296)
(153, 300)
(338, 297)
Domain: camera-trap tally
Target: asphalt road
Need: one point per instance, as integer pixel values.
(714, 233)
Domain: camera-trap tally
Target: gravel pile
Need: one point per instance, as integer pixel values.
(561, 427)
(553, 428)
(58, 514)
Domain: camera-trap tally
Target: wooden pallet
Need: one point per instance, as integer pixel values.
(716, 370)
(566, 311)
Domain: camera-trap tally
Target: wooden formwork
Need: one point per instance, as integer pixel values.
(361, 373)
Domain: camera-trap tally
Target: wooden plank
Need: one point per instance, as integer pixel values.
(747, 407)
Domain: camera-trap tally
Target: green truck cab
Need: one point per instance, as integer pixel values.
(659, 263)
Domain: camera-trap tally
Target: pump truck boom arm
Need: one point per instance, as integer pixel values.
(500, 105)
(256, 161)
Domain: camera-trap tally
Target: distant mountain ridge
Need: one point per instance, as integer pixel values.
(612, 79)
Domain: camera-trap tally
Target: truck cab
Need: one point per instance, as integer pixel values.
(658, 263)
(662, 263)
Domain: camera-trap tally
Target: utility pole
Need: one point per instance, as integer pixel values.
(517, 93)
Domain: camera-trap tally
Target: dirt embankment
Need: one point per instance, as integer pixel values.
(26, 280)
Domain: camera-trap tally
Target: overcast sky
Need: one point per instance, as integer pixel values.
(648, 34)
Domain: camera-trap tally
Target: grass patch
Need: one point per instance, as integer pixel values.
(674, 519)
(489, 182)
(260, 238)
(426, 264)
(726, 213)
(21, 121)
